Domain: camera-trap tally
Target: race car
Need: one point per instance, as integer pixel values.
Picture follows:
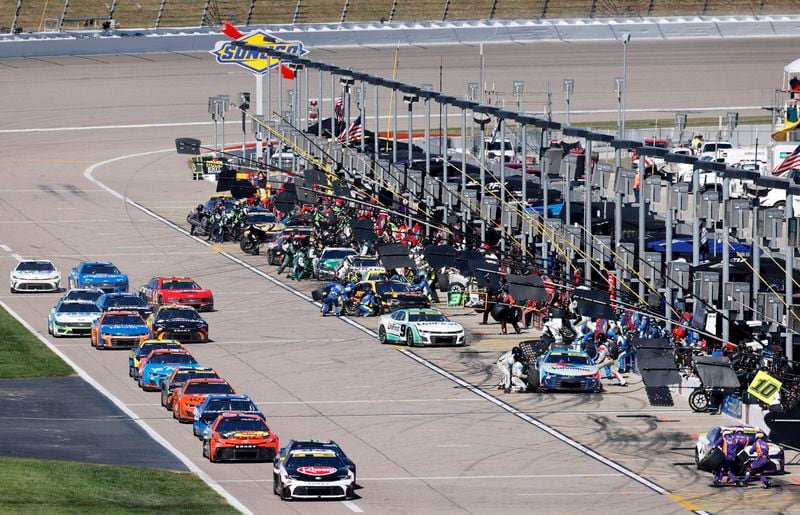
(181, 323)
(207, 411)
(119, 330)
(88, 295)
(145, 348)
(358, 265)
(328, 445)
(124, 302)
(392, 295)
(563, 369)
(194, 392)
(420, 327)
(329, 260)
(705, 444)
(178, 291)
(102, 275)
(159, 364)
(178, 378)
(35, 275)
(240, 437)
(311, 474)
(72, 318)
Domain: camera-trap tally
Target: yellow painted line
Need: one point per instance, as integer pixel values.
(683, 502)
(217, 248)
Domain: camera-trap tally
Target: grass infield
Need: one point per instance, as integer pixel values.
(42, 486)
(23, 355)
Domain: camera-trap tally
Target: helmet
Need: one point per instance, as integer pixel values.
(367, 288)
(726, 432)
(200, 207)
(739, 430)
(760, 435)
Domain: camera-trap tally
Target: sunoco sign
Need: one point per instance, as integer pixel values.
(255, 60)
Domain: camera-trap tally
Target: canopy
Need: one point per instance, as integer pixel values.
(782, 134)
(793, 67)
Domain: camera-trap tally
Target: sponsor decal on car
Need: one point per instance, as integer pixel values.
(316, 471)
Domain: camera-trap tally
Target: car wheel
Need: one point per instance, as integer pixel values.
(195, 431)
(382, 335)
(275, 487)
(349, 494)
(140, 382)
(409, 338)
(533, 380)
(780, 205)
(205, 449)
(284, 492)
(697, 459)
(699, 401)
(175, 413)
(130, 371)
(163, 399)
(456, 288)
(49, 328)
(160, 301)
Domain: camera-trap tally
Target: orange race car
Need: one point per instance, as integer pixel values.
(179, 377)
(119, 330)
(194, 392)
(240, 436)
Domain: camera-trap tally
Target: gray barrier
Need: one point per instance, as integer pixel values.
(390, 34)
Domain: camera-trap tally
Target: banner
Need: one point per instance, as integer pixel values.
(764, 387)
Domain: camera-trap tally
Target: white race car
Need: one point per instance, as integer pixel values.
(35, 275)
(72, 318)
(420, 327)
(311, 474)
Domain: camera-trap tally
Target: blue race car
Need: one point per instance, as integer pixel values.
(101, 275)
(563, 369)
(119, 330)
(159, 367)
(124, 302)
(207, 411)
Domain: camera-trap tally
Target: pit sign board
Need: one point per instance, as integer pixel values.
(764, 387)
(254, 60)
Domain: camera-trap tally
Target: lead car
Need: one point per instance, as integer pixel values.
(311, 474)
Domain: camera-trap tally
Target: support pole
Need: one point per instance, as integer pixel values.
(260, 116)
(726, 265)
(789, 210)
(587, 213)
(642, 223)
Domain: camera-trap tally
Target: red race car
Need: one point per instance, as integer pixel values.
(177, 290)
(194, 392)
(240, 436)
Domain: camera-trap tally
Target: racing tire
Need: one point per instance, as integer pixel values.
(349, 494)
(175, 413)
(159, 301)
(194, 430)
(284, 493)
(205, 448)
(163, 399)
(382, 335)
(247, 246)
(275, 487)
(456, 288)
(410, 339)
(49, 328)
(130, 371)
(533, 380)
(697, 459)
(699, 401)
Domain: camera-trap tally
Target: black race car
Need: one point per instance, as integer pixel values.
(329, 445)
(182, 323)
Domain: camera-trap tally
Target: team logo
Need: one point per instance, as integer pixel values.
(316, 470)
(255, 60)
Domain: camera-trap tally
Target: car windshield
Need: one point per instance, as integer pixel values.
(182, 377)
(366, 262)
(427, 317)
(713, 147)
(147, 349)
(179, 285)
(386, 287)
(179, 314)
(231, 405)
(83, 296)
(78, 308)
(100, 270)
(260, 218)
(35, 266)
(569, 359)
(337, 254)
(127, 301)
(236, 425)
(221, 388)
(172, 358)
(123, 320)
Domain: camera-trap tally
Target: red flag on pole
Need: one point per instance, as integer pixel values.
(286, 72)
(231, 31)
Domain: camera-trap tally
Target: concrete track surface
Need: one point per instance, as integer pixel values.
(424, 442)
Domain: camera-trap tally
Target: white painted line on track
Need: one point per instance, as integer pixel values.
(368, 401)
(106, 127)
(17, 257)
(477, 391)
(352, 507)
(39, 190)
(599, 494)
(446, 478)
(233, 501)
(120, 220)
(6, 248)
(454, 445)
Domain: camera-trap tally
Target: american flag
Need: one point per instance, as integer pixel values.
(338, 108)
(352, 132)
(791, 161)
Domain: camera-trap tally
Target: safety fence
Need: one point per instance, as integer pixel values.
(44, 15)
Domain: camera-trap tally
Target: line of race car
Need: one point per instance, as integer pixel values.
(154, 324)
